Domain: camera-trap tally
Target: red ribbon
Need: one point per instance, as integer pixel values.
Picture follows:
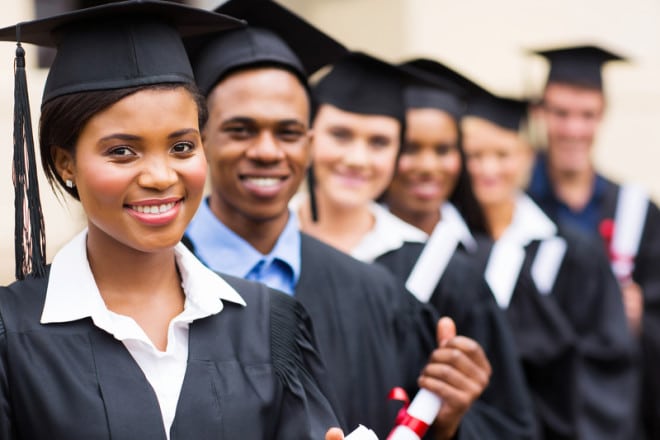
(622, 265)
(403, 418)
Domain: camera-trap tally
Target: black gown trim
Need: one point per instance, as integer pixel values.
(287, 360)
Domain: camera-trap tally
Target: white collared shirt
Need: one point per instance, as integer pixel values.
(388, 233)
(506, 258)
(430, 266)
(72, 294)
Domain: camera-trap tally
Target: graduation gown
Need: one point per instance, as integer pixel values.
(372, 334)
(504, 410)
(645, 273)
(252, 373)
(572, 336)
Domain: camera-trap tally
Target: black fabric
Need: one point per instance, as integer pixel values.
(372, 335)
(578, 355)
(449, 94)
(504, 411)
(79, 382)
(508, 113)
(645, 274)
(360, 83)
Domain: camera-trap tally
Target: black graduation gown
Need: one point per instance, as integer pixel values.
(578, 355)
(251, 374)
(504, 410)
(647, 275)
(372, 334)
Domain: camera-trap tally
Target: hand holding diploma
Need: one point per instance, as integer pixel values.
(456, 375)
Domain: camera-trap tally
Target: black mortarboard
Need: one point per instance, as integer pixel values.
(107, 47)
(579, 65)
(118, 45)
(274, 36)
(508, 113)
(450, 93)
(360, 83)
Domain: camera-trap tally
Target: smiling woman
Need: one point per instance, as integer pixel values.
(121, 330)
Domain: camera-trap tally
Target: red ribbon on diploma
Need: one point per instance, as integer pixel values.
(622, 265)
(417, 426)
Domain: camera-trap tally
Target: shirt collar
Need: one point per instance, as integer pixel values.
(450, 216)
(388, 233)
(529, 223)
(227, 252)
(72, 292)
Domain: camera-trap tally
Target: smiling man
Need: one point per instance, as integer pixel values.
(567, 186)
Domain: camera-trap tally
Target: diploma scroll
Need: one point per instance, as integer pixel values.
(362, 433)
(414, 419)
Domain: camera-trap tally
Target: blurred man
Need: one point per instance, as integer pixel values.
(567, 186)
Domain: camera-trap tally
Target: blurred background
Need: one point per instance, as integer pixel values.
(485, 40)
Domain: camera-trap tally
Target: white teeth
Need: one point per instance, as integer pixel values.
(264, 181)
(153, 209)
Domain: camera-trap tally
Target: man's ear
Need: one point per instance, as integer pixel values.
(310, 146)
(64, 163)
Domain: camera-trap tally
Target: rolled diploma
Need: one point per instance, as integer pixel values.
(424, 407)
(362, 433)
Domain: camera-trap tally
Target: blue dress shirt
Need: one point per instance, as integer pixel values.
(586, 220)
(224, 251)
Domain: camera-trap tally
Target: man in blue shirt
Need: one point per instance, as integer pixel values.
(567, 186)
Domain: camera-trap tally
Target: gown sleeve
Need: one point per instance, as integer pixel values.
(504, 410)
(647, 275)
(305, 411)
(608, 375)
(6, 425)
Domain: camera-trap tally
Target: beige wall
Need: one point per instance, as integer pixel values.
(481, 37)
(485, 40)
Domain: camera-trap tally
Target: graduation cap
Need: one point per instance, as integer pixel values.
(360, 83)
(505, 112)
(275, 36)
(579, 65)
(449, 95)
(113, 46)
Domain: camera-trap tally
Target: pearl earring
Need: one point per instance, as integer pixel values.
(69, 183)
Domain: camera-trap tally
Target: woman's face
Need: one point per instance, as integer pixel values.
(429, 165)
(139, 169)
(354, 155)
(498, 161)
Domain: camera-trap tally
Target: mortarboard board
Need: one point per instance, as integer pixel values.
(107, 47)
(118, 45)
(449, 95)
(579, 65)
(274, 36)
(360, 83)
(505, 112)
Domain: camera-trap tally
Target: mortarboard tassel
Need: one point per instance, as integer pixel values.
(312, 195)
(29, 236)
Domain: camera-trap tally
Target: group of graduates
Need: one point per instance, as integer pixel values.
(383, 229)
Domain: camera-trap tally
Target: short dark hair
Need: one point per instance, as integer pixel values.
(63, 119)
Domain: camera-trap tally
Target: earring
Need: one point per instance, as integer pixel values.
(69, 183)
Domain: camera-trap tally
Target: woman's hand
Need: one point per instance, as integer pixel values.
(334, 434)
(458, 372)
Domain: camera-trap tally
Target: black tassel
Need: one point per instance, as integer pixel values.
(29, 234)
(312, 194)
